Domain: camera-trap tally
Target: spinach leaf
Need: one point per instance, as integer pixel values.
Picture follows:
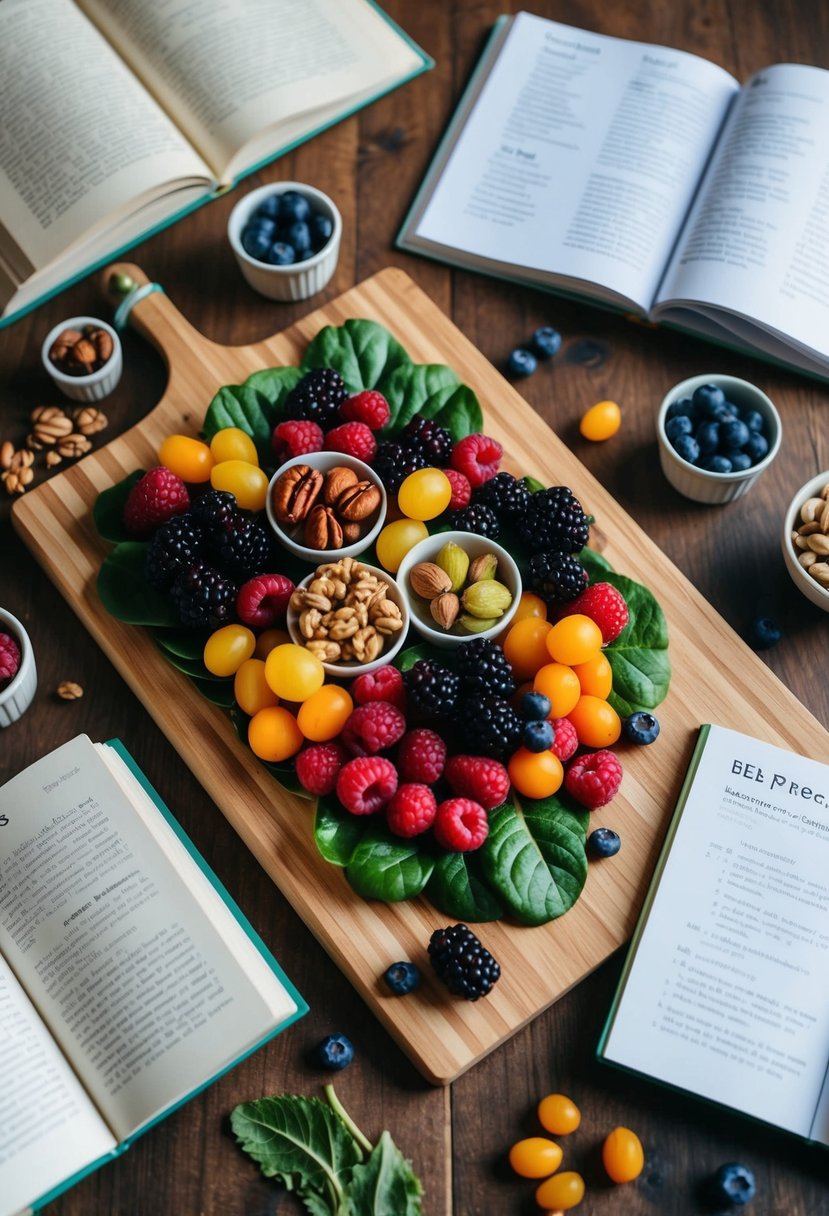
(336, 832)
(254, 407)
(126, 594)
(383, 868)
(108, 511)
(434, 390)
(385, 1185)
(457, 888)
(274, 383)
(218, 692)
(185, 643)
(363, 352)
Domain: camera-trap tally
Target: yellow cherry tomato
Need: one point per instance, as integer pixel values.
(293, 673)
(622, 1155)
(251, 689)
(188, 458)
(560, 685)
(601, 421)
(424, 494)
(574, 639)
(232, 443)
(269, 638)
(561, 1192)
(273, 734)
(226, 650)
(396, 539)
(597, 723)
(324, 714)
(535, 774)
(558, 1114)
(535, 1157)
(246, 482)
(525, 646)
(530, 604)
(595, 676)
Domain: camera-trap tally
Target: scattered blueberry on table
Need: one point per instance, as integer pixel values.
(763, 633)
(335, 1052)
(640, 727)
(733, 1184)
(603, 842)
(713, 433)
(544, 343)
(402, 978)
(522, 362)
(283, 230)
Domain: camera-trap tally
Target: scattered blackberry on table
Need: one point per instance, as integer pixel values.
(640, 727)
(554, 519)
(203, 596)
(603, 842)
(476, 518)
(462, 963)
(508, 496)
(243, 549)
(556, 577)
(428, 437)
(432, 689)
(335, 1052)
(484, 669)
(317, 397)
(176, 545)
(402, 978)
(393, 463)
(490, 726)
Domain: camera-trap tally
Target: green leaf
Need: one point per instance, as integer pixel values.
(126, 594)
(391, 870)
(433, 390)
(185, 643)
(594, 563)
(336, 832)
(108, 511)
(242, 407)
(363, 352)
(534, 857)
(532, 483)
(190, 667)
(457, 889)
(218, 692)
(274, 383)
(385, 1185)
(302, 1143)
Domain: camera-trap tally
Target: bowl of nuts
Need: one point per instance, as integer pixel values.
(459, 585)
(805, 540)
(83, 357)
(326, 503)
(352, 616)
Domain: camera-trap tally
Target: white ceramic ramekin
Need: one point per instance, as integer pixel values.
(98, 384)
(801, 578)
(17, 696)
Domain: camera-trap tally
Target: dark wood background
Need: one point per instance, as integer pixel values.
(457, 1138)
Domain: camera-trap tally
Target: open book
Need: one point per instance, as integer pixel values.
(128, 978)
(725, 991)
(642, 178)
(120, 115)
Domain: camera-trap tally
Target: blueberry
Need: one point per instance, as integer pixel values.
(757, 447)
(521, 362)
(545, 342)
(763, 632)
(708, 396)
(293, 207)
(335, 1052)
(641, 727)
(281, 254)
(733, 1184)
(687, 447)
(734, 433)
(269, 207)
(708, 438)
(534, 705)
(297, 235)
(402, 978)
(322, 229)
(680, 425)
(716, 464)
(538, 735)
(740, 461)
(753, 419)
(683, 407)
(603, 842)
(257, 241)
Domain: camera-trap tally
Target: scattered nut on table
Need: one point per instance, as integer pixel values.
(68, 690)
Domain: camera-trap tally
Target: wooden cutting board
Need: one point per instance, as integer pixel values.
(716, 678)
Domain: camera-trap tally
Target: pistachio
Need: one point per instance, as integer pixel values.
(445, 609)
(487, 599)
(474, 624)
(428, 580)
(455, 561)
(483, 567)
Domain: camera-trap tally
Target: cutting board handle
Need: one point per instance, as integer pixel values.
(151, 313)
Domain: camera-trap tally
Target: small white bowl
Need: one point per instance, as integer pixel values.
(95, 386)
(349, 670)
(301, 279)
(17, 696)
(325, 461)
(801, 578)
(701, 485)
(474, 545)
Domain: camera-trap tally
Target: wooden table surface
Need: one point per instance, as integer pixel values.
(457, 1137)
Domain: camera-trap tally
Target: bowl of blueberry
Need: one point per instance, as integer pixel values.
(716, 436)
(286, 238)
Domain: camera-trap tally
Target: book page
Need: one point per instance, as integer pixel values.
(726, 993)
(50, 1128)
(80, 139)
(146, 999)
(579, 158)
(756, 240)
(233, 70)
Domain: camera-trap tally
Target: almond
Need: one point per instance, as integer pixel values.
(428, 580)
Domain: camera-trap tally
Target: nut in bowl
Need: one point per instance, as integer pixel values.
(459, 585)
(353, 617)
(805, 540)
(83, 357)
(326, 504)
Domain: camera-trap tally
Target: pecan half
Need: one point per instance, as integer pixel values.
(337, 480)
(295, 493)
(358, 502)
(322, 529)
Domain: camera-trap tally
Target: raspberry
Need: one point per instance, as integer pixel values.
(411, 809)
(369, 407)
(384, 684)
(478, 456)
(566, 742)
(604, 605)
(593, 779)
(9, 658)
(318, 767)
(155, 498)
(263, 601)
(460, 825)
(296, 438)
(421, 756)
(366, 783)
(461, 489)
(352, 438)
(372, 728)
(478, 777)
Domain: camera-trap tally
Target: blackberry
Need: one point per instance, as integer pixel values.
(215, 509)
(556, 577)
(317, 397)
(476, 518)
(508, 496)
(461, 963)
(203, 596)
(554, 519)
(428, 437)
(484, 669)
(393, 463)
(490, 726)
(175, 545)
(242, 550)
(432, 689)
